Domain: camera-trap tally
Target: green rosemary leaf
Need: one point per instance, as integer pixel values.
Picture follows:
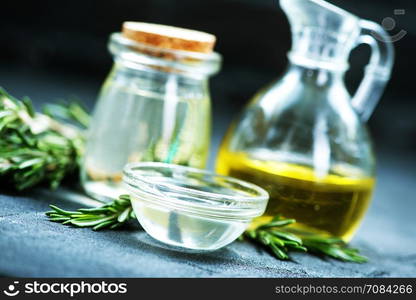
(29, 106)
(279, 223)
(94, 210)
(91, 222)
(336, 249)
(55, 215)
(74, 112)
(61, 211)
(30, 162)
(79, 114)
(297, 248)
(278, 241)
(113, 208)
(251, 234)
(281, 254)
(123, 197)
(58, 219)
(264, 238)
(277, 218)
(323, 240)
(87, 218)
(124, 215)
(103, 225)
(287, 236)
(116, 225)
(50, 212)
(5, 113)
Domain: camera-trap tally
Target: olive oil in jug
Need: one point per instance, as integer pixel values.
(329, 206)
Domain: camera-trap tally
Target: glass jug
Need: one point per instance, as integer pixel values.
(154, 106)
(304, 138)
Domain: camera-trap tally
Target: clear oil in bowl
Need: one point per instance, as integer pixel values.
(330, 206)
(184, 229)
(191, 208)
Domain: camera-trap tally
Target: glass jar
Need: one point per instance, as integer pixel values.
(154, 106)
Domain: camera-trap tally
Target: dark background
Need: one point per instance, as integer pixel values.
(54, 49)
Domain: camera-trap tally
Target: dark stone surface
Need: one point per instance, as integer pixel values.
(30, 245)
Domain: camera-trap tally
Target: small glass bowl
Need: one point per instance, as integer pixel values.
(191, 208)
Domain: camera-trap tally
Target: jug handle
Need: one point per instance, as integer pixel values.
(378, 71)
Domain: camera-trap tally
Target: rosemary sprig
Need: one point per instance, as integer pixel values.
(272, 235)
(36, 148)
(280, 242)
(111, 215)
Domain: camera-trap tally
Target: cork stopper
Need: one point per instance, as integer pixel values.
(169, 37)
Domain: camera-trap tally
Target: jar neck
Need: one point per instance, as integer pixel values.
(155, 82)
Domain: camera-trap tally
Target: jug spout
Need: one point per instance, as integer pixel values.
(323, 36)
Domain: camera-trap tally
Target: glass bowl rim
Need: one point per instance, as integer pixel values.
(245, 206)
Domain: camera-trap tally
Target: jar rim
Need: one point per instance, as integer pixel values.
(185, 189)
(168, 59)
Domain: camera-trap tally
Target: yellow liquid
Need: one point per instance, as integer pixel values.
(329, 206)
